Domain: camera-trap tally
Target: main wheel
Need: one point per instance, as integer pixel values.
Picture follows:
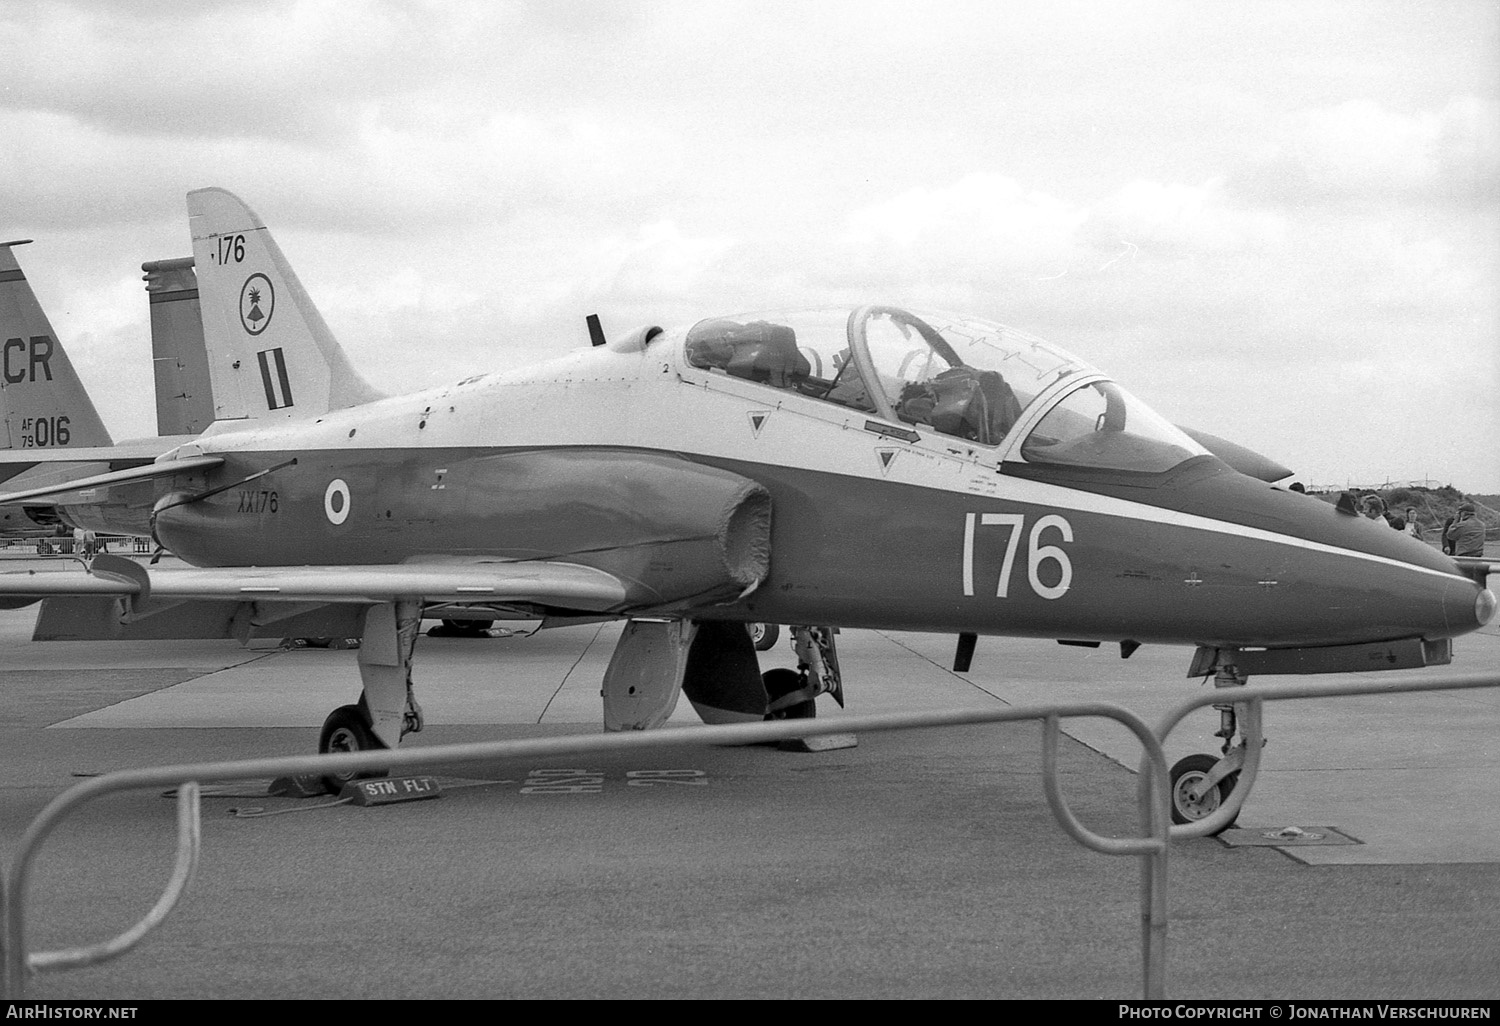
(1187, 774)
(764, 635)
(783, 682)
(345, 731)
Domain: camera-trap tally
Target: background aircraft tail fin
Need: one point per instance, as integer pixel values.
(43, 404)
(184, 395)
(270, 355)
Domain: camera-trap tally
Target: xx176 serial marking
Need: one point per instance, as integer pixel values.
(258, 502)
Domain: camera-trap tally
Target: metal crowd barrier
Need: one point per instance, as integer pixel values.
(1248, 701)
(1150, 846)
(16, 963)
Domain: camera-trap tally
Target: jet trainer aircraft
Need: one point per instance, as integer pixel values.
(45, 406)
(877, 468)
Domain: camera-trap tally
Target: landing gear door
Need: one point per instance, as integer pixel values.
(645, 673)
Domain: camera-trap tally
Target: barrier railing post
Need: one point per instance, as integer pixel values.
(1151, 847)
(18, 963)
(8, 991)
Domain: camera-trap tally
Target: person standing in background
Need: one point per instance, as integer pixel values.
(1466, 536)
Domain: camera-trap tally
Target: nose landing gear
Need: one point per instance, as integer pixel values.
(1201, 784)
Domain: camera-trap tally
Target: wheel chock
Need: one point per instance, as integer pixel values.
(388, 790)
(818, 743)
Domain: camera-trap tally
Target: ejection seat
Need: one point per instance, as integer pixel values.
(758, 351)
(963, 402)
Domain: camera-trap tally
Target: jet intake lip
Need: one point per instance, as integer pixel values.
(745, 536)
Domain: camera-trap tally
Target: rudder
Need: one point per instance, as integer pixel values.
(270, 354)
(184, 395)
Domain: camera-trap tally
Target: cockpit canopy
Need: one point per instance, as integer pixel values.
(958, 376)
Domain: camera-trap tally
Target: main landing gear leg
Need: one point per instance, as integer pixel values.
(790, 693)
(1202, 783)
(387, 709)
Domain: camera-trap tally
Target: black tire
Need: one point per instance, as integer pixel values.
(347, 730)
(764, 635)
(783, 682)
(1188, 771)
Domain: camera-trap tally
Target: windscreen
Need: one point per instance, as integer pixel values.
(1101, 425)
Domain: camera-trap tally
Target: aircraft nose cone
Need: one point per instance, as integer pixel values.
(1468, 606)
(1484, 606)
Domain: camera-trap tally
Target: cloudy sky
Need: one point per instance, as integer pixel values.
(1274, 221)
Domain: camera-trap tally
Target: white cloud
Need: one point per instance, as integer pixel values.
(982, 216)
(986, 239)
(383, 177)
(658, 261)
(946, 245)
(1360, 150)
(1183, 218)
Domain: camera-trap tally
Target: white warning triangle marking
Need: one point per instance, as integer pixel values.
(758, 420)
(886, 457)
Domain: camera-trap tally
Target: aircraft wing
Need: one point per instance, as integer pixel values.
(143, 472)
(566, 585)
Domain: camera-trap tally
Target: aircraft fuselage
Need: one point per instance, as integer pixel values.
(602, 457)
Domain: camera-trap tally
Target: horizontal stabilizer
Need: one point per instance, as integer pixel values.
(145, 472)
(145, 450)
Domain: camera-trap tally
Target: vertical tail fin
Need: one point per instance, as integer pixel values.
(184, 397)
(42, 401)
(269, 353)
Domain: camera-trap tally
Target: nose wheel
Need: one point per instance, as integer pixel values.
(1202, 784)
(1194, 797)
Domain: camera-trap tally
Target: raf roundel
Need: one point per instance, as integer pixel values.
(336, 501)
(257, 303)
